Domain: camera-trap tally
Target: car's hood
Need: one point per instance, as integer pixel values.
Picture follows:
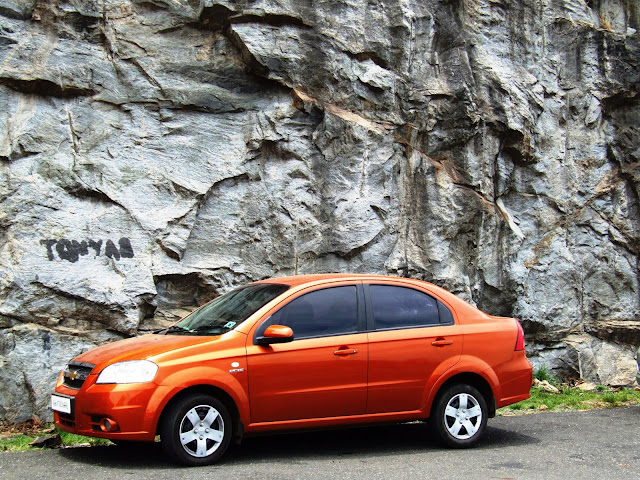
(138, 348)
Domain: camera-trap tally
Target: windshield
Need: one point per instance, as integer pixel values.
(226, 312)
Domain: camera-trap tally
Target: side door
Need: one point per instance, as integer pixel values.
(413, 339)
(323, 371)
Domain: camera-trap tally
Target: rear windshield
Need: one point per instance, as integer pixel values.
(227, 311)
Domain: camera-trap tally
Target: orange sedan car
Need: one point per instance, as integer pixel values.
(300, 352)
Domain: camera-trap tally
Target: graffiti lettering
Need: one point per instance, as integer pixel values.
(49, 244)
(72, 250)
(126, 250)
(97, 246)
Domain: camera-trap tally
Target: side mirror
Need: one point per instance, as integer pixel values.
(275, 334)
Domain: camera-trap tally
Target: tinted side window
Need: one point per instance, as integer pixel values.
(330, 311)
(398, 307)
(446, 317)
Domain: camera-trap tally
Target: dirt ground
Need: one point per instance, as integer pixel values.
(33, 428)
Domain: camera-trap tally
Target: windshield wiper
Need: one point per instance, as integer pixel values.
(210, 329)
(173, 329)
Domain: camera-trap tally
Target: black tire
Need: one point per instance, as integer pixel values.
(200, 444)
(459, 415)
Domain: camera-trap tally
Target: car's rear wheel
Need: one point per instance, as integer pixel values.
(460, 415)
(196, 430)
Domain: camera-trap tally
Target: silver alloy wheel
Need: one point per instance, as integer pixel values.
(463, 416)
(201, 431)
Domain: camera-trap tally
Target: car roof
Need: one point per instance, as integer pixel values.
(295, 280)
(320, 278)
(302, 281)
(464, 311)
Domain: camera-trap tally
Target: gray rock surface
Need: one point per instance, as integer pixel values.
(154, 154)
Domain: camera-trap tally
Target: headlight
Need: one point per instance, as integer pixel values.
(134, 371)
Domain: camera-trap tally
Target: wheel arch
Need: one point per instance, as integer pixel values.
(220, 394)
(475, 380)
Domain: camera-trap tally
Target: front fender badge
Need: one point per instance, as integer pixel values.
(235, 368)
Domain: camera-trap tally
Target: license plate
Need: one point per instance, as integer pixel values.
(60, 404)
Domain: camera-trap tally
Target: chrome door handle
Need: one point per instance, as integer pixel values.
(345, 351)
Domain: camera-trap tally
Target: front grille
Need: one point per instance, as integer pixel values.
(66, 419)
(76, 373)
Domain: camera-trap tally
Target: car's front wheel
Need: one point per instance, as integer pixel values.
(196, 430)
(460, 415)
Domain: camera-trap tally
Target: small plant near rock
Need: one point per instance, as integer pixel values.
(542, 373)
(605, 23)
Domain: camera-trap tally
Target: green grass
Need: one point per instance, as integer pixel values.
(20, 442)
(17, 443)
(73, 439)
(573, 399)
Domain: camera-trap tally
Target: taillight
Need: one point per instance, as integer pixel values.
(520, 339)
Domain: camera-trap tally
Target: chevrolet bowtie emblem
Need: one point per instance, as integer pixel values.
(73, 375)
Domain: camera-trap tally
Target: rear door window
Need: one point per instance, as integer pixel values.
(402, 307)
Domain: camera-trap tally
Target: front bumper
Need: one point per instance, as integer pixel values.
(134, 407)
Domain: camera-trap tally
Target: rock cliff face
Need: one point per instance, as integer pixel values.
(156, 153)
